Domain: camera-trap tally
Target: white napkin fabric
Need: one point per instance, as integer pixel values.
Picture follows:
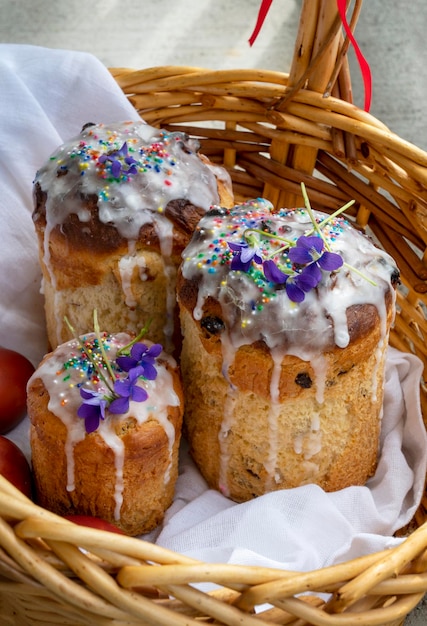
(306, 528)
(47, 96)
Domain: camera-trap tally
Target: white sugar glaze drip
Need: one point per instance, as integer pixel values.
(318, 363)
(310, 443)
(274, 410)
(127, 265)
(116, 444)
(64, 400)
(168, 329)
(57, 299)
(224, 446)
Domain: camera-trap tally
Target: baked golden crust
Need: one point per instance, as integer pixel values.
(150, 467)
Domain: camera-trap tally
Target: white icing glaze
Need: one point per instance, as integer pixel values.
(167, 167)
(63, 373)
(254, 310)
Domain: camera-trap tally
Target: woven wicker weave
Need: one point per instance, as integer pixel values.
(272, 131)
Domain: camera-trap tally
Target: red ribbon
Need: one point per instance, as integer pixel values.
(262, 14)
(363, 64)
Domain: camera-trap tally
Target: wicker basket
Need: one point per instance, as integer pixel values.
(272, 131)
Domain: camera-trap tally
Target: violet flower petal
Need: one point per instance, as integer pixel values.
(300, 256)
(91, 416)
(330, 261)
(236, 247)
(258, 257)
(293, 291)
(116, 168)
(150, 372)
(119, 406)
(237, 265)
(307, 250)
(155, 350)
(311, 242)
(134, 374)
(247, 254)
(309, 278)
(86, 410)
(123, 151)
(91, 423)
(139, 394)
(126, 363)
(122, 388)
(88, 394)
(138, 350)
(273, 274)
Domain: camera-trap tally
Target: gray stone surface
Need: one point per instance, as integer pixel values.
(214, 34)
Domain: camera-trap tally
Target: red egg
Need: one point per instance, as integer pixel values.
(94, 522)
(14, 466)
(15, 370)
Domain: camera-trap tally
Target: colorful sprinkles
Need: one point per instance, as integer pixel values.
(83, 366)
(236, 227)
(115, 161)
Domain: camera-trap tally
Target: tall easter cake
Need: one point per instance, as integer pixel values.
(106, 421)
(114, 208)
(286, 317)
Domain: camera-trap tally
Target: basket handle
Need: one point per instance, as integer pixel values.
(319, 60)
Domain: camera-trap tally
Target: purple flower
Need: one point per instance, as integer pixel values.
(92, 410)
(143, 357)
(273, 274)
(244, 256)
(296, 284)
(117, 159)
(309, 277)
(128, 390)
(310, 250)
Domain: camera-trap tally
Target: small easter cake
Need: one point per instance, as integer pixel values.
(286, 317)
(106, 416)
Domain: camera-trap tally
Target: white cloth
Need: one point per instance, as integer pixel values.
(46, 98)
(47, 95)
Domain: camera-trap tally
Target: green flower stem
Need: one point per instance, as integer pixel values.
(288, 242)
(276, 252)
(359, 273)
(309, 210)
(101, 346)
(139, 336)
(318, 227)
(89, 356)
(336, 213)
